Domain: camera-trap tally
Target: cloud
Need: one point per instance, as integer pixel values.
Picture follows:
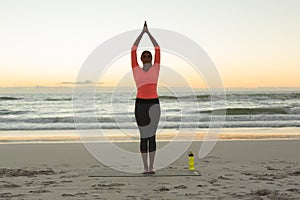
(87, 82)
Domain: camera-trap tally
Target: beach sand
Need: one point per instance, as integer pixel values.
(234, 169)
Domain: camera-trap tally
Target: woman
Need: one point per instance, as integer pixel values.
(147, 107)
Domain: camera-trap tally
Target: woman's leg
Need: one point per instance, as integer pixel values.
(152, 150)
(141, 118)
(143, 149)
(144, 157)
(151, 156)
(155, 116)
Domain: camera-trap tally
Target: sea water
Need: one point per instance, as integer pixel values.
(55, 110)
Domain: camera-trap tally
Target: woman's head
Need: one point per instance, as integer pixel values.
(146, 57)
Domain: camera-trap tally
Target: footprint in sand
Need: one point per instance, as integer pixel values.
(39, 191)
(7, 172)
(108, 186)
(10, 195)
(271, 168)
(6, 184)
(69, 176)
(67, 195)
(66, 181)
(295, 173)
(180, 187)
(76, 194)
(224, 178)
(212, 181)
(295, 190)
(48, 183)
(161, 189)
(200, 185)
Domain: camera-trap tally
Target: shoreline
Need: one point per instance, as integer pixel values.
(165, 135)
(129, 141)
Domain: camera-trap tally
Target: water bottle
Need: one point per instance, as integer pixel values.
(191, 161)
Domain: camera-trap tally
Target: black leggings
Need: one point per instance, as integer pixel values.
(147, 114)
(144, 144)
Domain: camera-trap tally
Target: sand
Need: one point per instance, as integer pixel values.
(235, 169)
(57, 136)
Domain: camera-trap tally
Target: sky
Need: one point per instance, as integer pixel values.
(253, 43)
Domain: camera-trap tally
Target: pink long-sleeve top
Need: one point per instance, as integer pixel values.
(146, 82)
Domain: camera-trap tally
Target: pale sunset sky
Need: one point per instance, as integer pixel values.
(253, 43)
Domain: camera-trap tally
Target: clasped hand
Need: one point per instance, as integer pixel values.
(145, 29)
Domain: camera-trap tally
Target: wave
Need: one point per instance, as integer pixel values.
(11, 112)
(234, 96)
(64, 120)
(295, 110)
(192, 126)
(5, 98)
(206, 96)
(264, 96)
(125, 119)
(259, 96)
(168, 97)
(58, 99)
(251, 111)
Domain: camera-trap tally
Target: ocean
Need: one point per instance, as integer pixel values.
(54, 110)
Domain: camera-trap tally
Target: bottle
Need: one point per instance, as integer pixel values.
(191, 161)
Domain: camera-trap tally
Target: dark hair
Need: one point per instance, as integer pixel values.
(146, 52)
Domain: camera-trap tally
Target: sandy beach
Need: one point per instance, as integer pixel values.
(234, 169)
(83, 84)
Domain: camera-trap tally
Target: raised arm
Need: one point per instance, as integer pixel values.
(156, 46)
(137, 41)
(134, 61)
(154, 42)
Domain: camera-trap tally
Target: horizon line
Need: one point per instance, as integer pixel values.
(71, 87)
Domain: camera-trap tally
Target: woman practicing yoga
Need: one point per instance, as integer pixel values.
(147, 107)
